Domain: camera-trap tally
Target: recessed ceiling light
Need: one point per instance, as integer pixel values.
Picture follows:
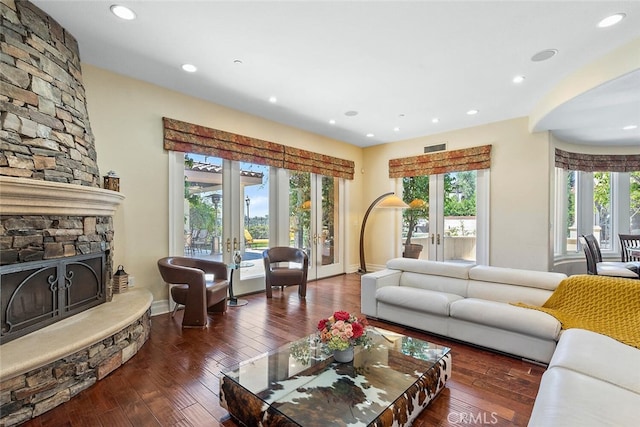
(473, 112)
(370, 135)
(123, 12)
(518, 79)
(351, 113)
(630, 127)
(435, 120)
(543, 55)
(396, 129)
(273, 99)
(611, 20)
(189, 68)
(332, 122)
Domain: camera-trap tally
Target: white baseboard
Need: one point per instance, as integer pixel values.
(160, 307)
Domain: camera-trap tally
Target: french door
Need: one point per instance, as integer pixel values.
(315, 221)
(456, 228)
(225, 210)
(245, 221)
(219, 207)
(460, 211)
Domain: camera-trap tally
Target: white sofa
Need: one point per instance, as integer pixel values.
(467, 302)
(592, 380)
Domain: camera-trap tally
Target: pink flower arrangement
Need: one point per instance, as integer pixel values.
(342, 330)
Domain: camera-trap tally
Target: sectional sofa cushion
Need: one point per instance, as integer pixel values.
(434, 283)
(506, 293)
(506, 317)
(512, 276)
(421, 300)
(599, 356)
(569, 398)
(433, 268)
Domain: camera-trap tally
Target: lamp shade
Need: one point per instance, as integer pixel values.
(393, 201)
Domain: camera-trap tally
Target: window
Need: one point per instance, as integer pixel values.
(601, 203)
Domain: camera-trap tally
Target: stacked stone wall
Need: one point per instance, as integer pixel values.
(44, 124)
(34, 238)
(31, 394)
(45, 134)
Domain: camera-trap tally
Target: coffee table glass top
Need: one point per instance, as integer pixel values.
(302, 376)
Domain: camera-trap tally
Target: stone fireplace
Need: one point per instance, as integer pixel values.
(51, 206)
(56, 227)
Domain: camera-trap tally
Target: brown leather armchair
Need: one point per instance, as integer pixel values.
(192, 290)
(278, 275)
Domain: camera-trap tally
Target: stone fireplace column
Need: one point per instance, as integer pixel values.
(46, 137)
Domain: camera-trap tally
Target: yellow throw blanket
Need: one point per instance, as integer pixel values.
(607, 305)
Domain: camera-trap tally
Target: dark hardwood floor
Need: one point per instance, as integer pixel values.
(174, 378)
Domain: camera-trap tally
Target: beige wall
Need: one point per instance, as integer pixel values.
(519, 203)
(126, 118)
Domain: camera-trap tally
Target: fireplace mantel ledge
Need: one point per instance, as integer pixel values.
(73, 333)
(23, 196)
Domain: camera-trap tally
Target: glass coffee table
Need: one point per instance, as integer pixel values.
(300, 384)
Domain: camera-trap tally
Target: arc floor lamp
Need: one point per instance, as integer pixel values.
(387, 200)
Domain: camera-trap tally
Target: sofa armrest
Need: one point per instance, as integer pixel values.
(370, 283)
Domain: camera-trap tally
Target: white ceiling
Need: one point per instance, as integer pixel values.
(398, 64)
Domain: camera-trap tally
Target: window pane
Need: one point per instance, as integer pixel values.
(254, 183)
(634, 196)
(415, 192)
(203, 206)
(330, 220)
(602, 209)
(460, 216)
(300, 209)
(571, 227)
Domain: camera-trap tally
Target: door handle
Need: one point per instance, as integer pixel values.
(228, 244)
(438, 238)
(432, 237)
(235, 244)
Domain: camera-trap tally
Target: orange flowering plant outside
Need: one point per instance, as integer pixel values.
(342, 330)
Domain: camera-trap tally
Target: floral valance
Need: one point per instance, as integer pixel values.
(308, 161)
(191, 138)
(597, 162)
(466, 159)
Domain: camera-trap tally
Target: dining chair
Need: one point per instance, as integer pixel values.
(629, 241)
(189, 287)
(607, 268)
(279, 268)
(591, 262)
